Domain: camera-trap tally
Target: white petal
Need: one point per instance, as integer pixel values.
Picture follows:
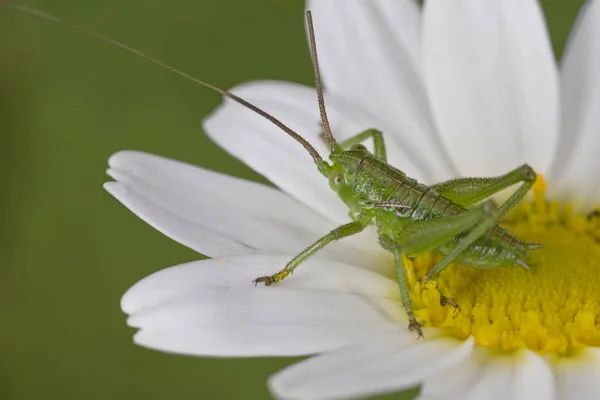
(211, 307)
(386, 363)
(575, 174)
(486, 375)
(453, 382)
(369, 53)
(492, 82)
(398, 21)
(533, 378)
(577, 377)
(218, 215)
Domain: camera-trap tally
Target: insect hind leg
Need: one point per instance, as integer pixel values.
(523, 174)
(468, 191)
(493, 217)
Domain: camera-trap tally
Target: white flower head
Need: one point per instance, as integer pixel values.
(458, 88)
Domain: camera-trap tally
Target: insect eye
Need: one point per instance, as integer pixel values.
(358, 147)
(337, 179)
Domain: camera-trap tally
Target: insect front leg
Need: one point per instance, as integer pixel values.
(348, 229)
(468, 191)
(378, 143)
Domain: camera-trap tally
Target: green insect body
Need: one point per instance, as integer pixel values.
(397, 200)
(411, 218)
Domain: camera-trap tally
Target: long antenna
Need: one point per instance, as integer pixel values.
(315, 155)
(315, 63)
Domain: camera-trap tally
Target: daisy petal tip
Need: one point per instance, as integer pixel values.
(129, 305)
(109, 186)
(123, 157)
(115, 189)
(126, 308)
(113, 173)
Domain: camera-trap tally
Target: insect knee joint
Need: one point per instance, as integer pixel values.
(528, 173)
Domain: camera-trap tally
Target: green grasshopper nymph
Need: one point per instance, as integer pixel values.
(411, 218)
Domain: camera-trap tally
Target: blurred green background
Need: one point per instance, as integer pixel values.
(68, 249)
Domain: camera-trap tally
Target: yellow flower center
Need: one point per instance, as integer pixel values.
(552, 308)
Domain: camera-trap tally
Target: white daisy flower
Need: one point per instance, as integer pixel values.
(458, 88)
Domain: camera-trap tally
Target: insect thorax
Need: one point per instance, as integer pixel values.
(369, 181)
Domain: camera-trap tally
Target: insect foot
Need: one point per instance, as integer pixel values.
(414, 325)
(269, 280)
(446, 301)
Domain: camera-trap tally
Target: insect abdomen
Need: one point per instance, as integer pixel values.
(499, 247)
(424, 202)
